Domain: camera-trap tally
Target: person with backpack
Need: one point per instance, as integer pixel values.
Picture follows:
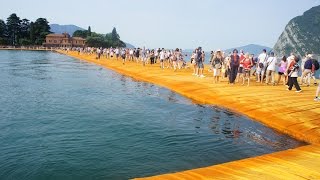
(307, 69)
(293, 70)
(310, 66)
(234, 66)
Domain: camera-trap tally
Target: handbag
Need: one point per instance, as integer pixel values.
(261, 65)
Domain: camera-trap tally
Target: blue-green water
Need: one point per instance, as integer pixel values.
(62, 118)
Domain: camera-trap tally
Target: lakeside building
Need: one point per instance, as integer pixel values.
(63, 40)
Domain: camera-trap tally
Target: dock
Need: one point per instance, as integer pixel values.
(294, 114)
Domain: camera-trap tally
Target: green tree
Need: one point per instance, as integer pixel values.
(25, 29)
(24, 41)
(89, 31)
(13, 27)
(32, 35)
(80, 33)
(3, 28)
(40, 29)
(3, 32)
(97, 41)
(114, 35)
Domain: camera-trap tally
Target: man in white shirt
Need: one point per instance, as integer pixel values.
(261, 65)
(131, 54)
(162, 58)
(117, 51)
(271, 68)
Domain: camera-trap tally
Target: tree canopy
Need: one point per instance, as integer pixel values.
(99, 40)
(18, 31)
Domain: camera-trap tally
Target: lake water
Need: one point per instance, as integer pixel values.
(62, 118)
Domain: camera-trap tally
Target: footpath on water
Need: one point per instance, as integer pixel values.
(295, 114)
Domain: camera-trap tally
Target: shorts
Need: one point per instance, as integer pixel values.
(258, 70)
(216, 72)
(161, 60)
(200, 65)
(280, 73)
(240, 71)
(247, 72)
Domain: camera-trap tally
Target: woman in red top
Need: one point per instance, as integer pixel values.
(247, 64)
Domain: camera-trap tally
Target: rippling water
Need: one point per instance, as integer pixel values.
(62, 118)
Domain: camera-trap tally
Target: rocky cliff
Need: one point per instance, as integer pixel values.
(301, 35)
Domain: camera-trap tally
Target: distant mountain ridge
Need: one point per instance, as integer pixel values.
(129, 46)
(251, 48)
(301, 35)
(59, 29)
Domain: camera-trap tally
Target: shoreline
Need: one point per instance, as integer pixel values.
(27, 49)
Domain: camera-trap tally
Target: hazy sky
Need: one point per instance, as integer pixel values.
(185, 24)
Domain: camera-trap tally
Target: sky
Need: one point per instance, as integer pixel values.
(186, 24)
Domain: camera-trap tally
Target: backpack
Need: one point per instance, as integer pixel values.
(308, 64)
(316, 64)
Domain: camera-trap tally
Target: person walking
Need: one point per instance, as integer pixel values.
(152, 57)
(261, 65)
(194, 62)
(271, 68)
(200, 65)
(247, 64)
(216, 63)
(162, 58)
(234, 65)
(307, 70)
(282, 69)
(293, 70)
(240, 70)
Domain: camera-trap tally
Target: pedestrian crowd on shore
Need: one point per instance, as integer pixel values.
(235, 67)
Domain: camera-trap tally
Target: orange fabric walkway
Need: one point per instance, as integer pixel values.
(295, 114)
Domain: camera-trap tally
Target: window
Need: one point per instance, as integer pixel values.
(55, 41)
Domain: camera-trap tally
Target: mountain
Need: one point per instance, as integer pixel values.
(301, 35)
(129, 45)
(59, 29)
(251, 48)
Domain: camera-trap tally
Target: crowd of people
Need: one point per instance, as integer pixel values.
(235, 67)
